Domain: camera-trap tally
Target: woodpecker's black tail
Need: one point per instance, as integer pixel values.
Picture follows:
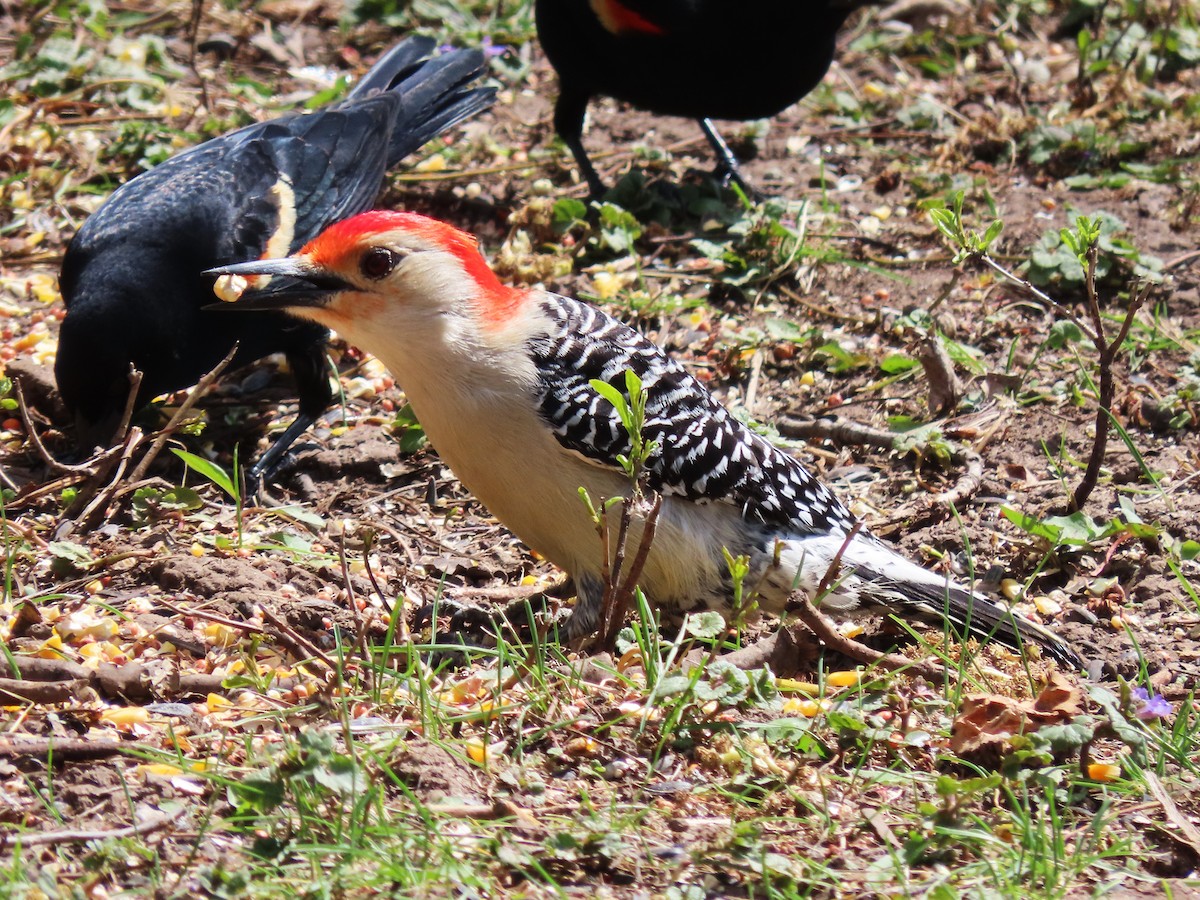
(878, 576)
(937, 600)
(984, 620)
(434, 91)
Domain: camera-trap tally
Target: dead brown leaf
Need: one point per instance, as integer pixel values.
(986, 722)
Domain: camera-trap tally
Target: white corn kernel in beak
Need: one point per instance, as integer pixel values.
(229, 288)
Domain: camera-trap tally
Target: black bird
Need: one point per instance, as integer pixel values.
(131, 278)
(703, 59)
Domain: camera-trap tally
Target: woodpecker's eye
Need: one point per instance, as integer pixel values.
(378, 262)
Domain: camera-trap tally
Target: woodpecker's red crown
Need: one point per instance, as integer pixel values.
(341, 246)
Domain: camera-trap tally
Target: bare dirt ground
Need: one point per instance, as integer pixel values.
(807, 338)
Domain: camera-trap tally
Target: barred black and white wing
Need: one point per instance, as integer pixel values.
(702, 453)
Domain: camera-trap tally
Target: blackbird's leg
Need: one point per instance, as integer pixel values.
(310, 369)
(727, 165)
(569, 112)
(267, 465)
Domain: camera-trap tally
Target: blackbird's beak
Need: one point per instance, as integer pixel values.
(302, 285)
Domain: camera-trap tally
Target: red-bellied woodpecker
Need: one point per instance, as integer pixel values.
(500, 379)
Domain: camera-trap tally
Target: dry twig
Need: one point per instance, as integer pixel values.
(71, 837)
(193, 397)
(827, 632)
(618, 590)
(1107, 351)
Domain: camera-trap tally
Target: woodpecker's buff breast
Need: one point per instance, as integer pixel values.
(500, 380)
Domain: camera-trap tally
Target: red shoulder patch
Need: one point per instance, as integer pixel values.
(619, 19)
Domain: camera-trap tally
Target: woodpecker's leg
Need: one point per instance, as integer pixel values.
(476, 624)
(569, 112)
(584, 620)
(727, 169)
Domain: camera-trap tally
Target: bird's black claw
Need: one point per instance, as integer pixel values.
(463, 617)
(727, 175)
(478, 625)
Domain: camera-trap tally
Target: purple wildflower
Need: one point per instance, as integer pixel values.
(489, 49)
(1152, 706)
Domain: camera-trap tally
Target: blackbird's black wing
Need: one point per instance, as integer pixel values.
(295, 175)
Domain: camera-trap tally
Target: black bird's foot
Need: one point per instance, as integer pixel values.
(278, 456)
(727, 171)
(477, 625)
(726, 176)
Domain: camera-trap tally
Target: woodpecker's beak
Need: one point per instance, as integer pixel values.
(304, 285)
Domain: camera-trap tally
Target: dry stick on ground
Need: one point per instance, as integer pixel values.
(1107, 354)
(98, 508)
(193, 40)
(968, 483)
(362, 624)
(945, 389)
(368, 542)
(302, 648)
(36, 680)
(1185, 833)
(853, 434)
(23, 747)
(17, 693)
(73, 837)
(85, 468)
(135, 385)
(618, 590)
(827, 632)
(172, 426)
(108, 460)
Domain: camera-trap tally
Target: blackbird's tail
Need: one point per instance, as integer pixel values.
(434, 91)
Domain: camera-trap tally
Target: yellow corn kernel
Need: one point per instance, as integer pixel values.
(790, 686)
(94, 650)
(124, 716)
(1047, 606)
(806, 708)
(30, 340)
(606, 285)
(229, 288)
(435, 163)
(1010, 588)
(44, 288)
(159, 770)
(843, 679)
(221, 635)
(1103, 771)
(51, 649)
